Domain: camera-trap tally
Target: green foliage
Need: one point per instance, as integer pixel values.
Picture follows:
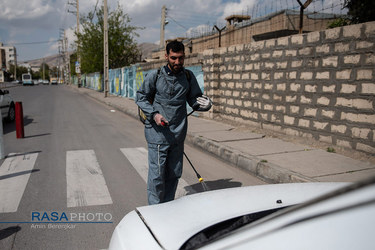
(331, 150)
(19, 70)
(339, 22)
(46, 71)
(54, 72)
(121, 44)
(39, 74)
(73, 59)
(361, 10)
(35, 75)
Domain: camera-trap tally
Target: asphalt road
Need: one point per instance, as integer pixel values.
(79, 170)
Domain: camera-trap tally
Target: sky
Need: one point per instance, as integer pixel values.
(34, 26)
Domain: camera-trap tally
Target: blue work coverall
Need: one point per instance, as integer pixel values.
(166, 93)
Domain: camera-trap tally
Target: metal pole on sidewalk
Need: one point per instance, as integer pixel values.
(19, 121)
(105, 49)
(1, 141)
(78, 52)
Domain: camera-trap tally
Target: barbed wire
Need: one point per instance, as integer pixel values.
(202, 25)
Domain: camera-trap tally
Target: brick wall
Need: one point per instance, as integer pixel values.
(319, 85)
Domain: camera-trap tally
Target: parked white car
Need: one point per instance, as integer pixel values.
(7, 105)
(279, 216)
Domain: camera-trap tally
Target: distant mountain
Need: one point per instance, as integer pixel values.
(147, 49)
(54, 60)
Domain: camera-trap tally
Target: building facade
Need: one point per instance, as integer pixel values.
(2, 65)
(10, 55)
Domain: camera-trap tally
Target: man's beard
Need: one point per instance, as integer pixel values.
(174, 70)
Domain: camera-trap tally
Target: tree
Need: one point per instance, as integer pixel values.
(123, 49)
(46, 71)
(72, 61)
(35, 75)
(361, 10)
(19, 70)
(54, 72)
(339, 22)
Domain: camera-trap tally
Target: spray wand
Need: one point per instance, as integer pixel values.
(200, 179)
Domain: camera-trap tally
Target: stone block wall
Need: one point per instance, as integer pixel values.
(319, 85)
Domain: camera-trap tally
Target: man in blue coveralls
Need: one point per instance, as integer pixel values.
(162, 97)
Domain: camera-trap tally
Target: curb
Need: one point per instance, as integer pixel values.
(267, 171)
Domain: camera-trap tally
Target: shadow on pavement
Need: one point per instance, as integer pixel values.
(5, 233)
(18, 154)
(212, 185)
(18, 174)
(30, 136)
(9, 127)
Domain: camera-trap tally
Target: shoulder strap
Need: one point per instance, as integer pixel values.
(188, 76)
(157, 76)
(156, 79)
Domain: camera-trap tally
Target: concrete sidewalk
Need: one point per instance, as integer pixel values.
(272, 159)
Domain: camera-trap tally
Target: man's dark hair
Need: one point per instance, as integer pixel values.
(175, 46)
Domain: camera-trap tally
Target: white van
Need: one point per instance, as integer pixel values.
(27, 79)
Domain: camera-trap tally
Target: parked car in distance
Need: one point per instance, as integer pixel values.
(54, 82)
(279, 216)
(45, 82)
(7, 105)
(16, 82)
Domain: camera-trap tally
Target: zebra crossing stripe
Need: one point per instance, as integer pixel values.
(14, 176)
(139, 160)
(86, 185)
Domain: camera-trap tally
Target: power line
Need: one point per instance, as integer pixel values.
(30, 43)
(178, 23)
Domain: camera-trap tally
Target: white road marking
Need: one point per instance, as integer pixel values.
(138, 157)
(86, 185)
(14, 176)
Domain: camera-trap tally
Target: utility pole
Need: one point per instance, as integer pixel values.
(162, 26)
(105, 49)
(303, 6)
(15, 63)
(78, 68)
(15, 68)
(67, 60)
(62, 53)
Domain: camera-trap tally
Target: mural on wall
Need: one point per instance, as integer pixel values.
(126, 81)
(139, 78)
(114, 78)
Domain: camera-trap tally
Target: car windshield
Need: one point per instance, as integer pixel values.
(26, 77)
(213, 232)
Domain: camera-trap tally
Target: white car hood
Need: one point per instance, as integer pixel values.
(173, 223)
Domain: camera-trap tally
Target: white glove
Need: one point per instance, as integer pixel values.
(204, 103)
